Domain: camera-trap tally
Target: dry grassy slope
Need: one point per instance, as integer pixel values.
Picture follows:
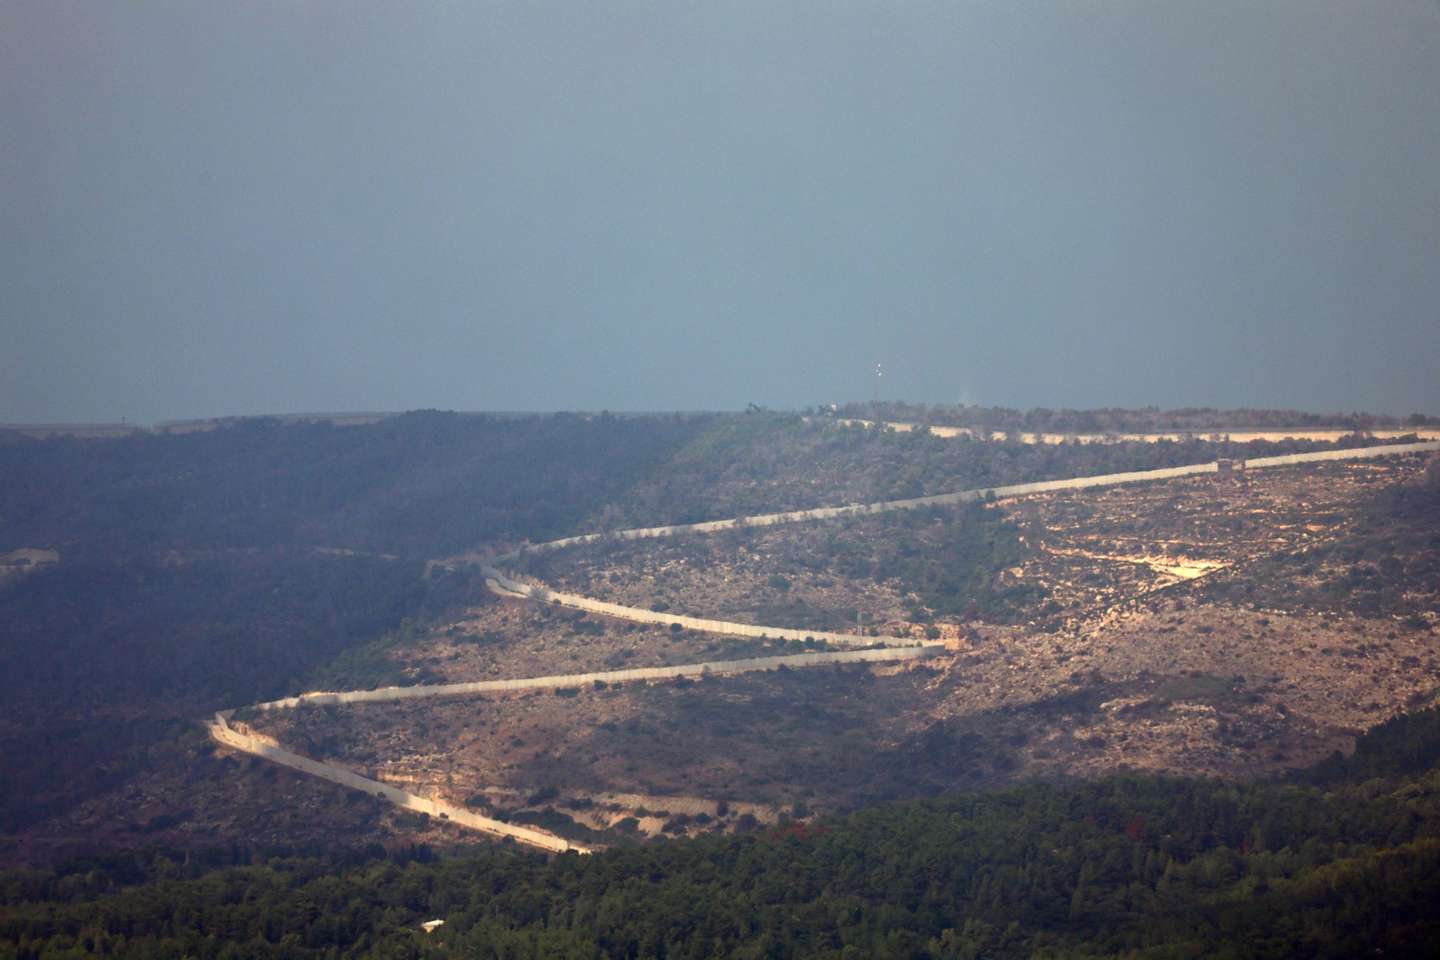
(754, 576)
(1142, 655)
(520, 639)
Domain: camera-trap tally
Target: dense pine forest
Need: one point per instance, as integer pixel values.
(1342, 861)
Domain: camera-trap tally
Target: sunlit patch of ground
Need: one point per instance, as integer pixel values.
(26, 560)
(1141, 654)
(1176, 567)
(519, 638)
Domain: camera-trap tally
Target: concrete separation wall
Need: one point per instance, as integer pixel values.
(260, 745)
(1246, 435)
(893, 649)
(511, 587)
(714, 668)
(965, 496)
(265, 747)
(1359, 453)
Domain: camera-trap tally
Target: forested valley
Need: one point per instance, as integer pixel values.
(1342, 860)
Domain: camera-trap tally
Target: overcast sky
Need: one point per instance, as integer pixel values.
(228, 207)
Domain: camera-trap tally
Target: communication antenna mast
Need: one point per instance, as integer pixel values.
(879, 375)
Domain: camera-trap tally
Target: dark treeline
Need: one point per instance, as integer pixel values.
(110, 662)
(429, 484)
(769, 462)
(421, 484)
(1128, 866)
(198, 571)
(1124, 420)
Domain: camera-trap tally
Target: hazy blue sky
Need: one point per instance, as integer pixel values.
(217, 206)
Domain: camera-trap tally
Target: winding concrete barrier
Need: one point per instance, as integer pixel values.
(1248, 435)
(979, 493)
(259, 745)
(1359, 453)
(712, 668)
(892, 649)
(508, 586)
(265, 747)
